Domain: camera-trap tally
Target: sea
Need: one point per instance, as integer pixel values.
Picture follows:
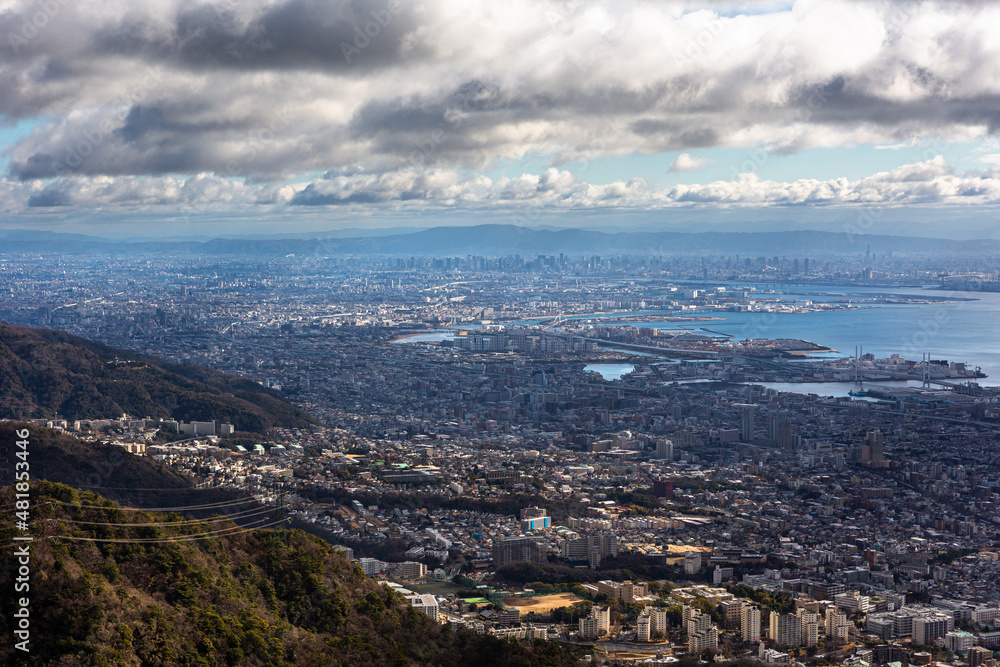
(965, 329)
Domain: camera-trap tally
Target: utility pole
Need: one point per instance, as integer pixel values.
(279, 510)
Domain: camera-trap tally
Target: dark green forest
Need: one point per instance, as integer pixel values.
(237, 598)
(45, 372)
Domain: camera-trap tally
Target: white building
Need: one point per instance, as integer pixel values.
(371, 566)
(785, 630)
(959, 642)
(932, 626)
(749, 623)
(853, 603)
(664, 449)
(837, 625)
(692, 562)
(705, 639)
(597, 624)
(808, 627)
(425, 603)
(643, 628)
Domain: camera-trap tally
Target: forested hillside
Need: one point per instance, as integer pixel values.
(44, 372)
(156, 595)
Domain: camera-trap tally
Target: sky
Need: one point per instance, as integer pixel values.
(174, 117)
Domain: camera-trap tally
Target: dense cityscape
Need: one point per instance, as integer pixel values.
(572, 452)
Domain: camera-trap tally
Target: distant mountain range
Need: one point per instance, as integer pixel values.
(43, 372)
(496, 240)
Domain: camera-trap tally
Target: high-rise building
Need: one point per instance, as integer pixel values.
(731, 610)
(692, 562)
(664, 449)
(703, 640)
(785, 438)
(652, 620)
(773, 419)
(701, 633)
(785, 630)
(663, 488)
(749, 623)
(959, 642)
(371, 566)
(932, 626)
(837, 625)
(746, 425)
(695, 620)
(597, 624)
(425, 603)
(518, 549)
(875, 447)
(643, 628)
(658, 615)
(533, 513)
(808, 627)
(581, 548)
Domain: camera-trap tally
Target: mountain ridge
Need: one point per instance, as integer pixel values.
(503, 239)
(44, 372)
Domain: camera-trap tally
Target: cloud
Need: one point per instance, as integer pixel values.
(684, 162)
(266, 90)
(930, 182)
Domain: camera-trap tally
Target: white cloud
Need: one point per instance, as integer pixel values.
(684, 162)
(932, 182)
(268, 89)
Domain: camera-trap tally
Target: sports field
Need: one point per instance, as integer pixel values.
(542, 604)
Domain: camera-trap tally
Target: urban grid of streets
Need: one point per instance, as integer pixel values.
(434, 447)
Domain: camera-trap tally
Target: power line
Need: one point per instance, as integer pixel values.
(129, 488)
(178, 508)
(180, 538)
(183, 522)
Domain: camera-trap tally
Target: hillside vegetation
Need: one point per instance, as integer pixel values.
(44, 372)
(242, 598)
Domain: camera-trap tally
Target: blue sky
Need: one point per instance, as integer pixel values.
(851, 162)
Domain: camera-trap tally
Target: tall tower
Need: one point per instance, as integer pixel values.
(875, 447)
(773, 419)
(746, 425)
(665, 449)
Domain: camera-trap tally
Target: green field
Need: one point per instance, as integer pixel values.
(434, 587)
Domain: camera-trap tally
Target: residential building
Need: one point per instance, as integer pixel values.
(425, 603)
(837, 625)
(959, 642)
(518, 549)
(749, 623)
(932, 626)
(785, 630)
(597, 624)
